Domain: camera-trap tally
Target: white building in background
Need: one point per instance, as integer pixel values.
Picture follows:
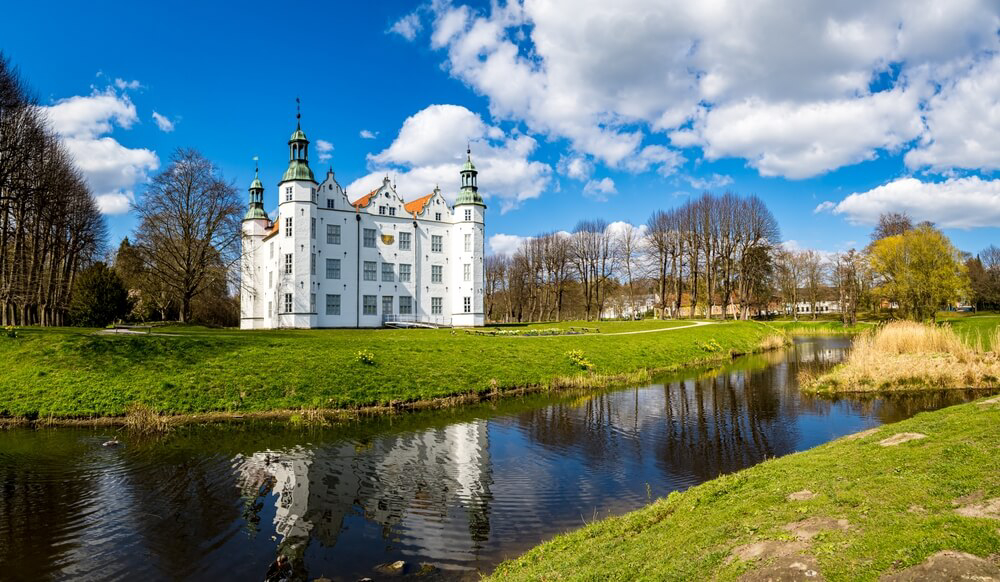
(327, 261)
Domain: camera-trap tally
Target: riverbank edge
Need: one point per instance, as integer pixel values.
(147, 420)
(803, 491)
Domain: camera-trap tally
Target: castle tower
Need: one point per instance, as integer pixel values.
(295, 295)
(467, 268)
(254, 228)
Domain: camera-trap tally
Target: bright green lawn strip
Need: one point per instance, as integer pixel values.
(69, 373)
(973, 327)
(689, 535)
(820, 327)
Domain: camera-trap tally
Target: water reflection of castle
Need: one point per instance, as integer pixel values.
(428, 490)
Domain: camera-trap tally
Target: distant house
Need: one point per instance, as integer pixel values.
(806, 308)
(620, 307)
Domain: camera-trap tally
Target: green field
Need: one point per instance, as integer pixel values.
(900, 505)
(66, 373)
(973, 327)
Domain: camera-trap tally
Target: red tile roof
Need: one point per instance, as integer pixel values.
(417, 206)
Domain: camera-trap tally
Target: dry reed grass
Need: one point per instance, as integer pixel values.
(773, 342)
(141, 419)
(904, 355)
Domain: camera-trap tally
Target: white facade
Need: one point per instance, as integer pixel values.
(327, 261)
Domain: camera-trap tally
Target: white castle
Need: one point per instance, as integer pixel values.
(325, 261)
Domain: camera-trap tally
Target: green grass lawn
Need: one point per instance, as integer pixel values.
(973, 326)
(898, 503)
(74, 373)
(819, 327)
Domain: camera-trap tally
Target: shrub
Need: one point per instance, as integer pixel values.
(10, 332)
(99, 297)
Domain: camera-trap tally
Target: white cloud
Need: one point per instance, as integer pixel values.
(954, 203)
(325, 149)
(824, 206)
(112, 170)
(506, 244)
(430, 150)
(408, 26)
(709, 182)
(798, 90)
(123, 84)
(804, 140)
(576, 167)
(963, 122)
(600, 189)
(367, 134)
(163, 122)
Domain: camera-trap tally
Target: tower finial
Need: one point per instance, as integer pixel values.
(256, 165)
(298, 113)
(468, 150)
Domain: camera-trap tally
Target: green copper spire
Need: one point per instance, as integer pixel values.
(469, 194)
(298, 153)
(256, 208)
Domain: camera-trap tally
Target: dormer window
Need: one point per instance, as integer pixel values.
(392, 211)
(437, 216)
(329, 202)
(381, 209)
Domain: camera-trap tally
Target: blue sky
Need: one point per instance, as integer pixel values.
(575, 109)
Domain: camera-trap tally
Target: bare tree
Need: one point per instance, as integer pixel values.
(627, 247)
(891, 224)
(189, 227)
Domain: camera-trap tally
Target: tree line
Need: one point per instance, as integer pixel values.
(712, 257)
(50, 227)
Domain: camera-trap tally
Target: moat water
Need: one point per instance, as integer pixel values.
(460, 490)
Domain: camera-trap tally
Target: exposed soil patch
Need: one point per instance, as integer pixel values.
(786, 569)
(947, 566)
(861, 435)
(807, 529)
(994, 400)
(901, 438)
(804, 495)
(766, 549)
(989, 509)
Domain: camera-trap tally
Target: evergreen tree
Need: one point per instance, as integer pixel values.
(99, 297)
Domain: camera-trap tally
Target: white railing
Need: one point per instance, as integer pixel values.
(432, 320)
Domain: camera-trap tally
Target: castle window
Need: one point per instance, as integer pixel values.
(467, 272)
(333, 304)
(381, 209)
(468, 243)
(271, 251)
(468, 214)
(388, 273)
(333, 268)
(436, 243)
(288, 226)
(370, 273)
(404, 241)
(270, 279)
(288, 302)
(405, 305)
(436, 274)
(467, 304)
(333, 234)
(329, 201)
(369, 238)
(288, 193)
(312, 228)
(436, 306)
(387, 305)
(368, 305)
(312, 303)
(404, 273)
(437, 216)
(312, 263)
(288, 264)
(392, 211)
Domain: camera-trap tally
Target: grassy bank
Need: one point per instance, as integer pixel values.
(905, 355)
(820, 327)
(66, 373)
(860, 510)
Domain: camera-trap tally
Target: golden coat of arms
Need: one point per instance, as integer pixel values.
(387, 239)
